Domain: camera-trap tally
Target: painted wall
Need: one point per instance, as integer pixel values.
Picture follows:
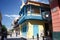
(34, 27)
(23, 29)
(30, 30)
(56, 35)
(20, 30)
(55, 11)
(40, 26)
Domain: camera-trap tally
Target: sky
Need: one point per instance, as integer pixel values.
(10, 9)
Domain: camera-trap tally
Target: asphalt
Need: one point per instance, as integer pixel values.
(13, 39)
(16, 39)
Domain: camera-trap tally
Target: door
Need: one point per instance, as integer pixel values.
(35, 30)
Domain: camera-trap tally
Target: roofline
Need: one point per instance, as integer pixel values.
(37, 3)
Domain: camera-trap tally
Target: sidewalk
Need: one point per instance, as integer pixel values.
(13, 36)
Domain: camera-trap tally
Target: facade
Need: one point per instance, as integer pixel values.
(0, 23)
(35, 19)
(16, 29)
(55, 12)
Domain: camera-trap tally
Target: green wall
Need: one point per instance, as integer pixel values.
(56, 35)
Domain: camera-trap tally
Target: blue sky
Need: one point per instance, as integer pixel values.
(10, 9)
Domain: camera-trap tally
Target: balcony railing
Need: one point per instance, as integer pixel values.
(35, 16)
(30, 16)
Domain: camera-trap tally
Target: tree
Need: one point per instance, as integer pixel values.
(4, 27)
(4, 32)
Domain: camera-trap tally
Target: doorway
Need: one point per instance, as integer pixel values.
(35, 30)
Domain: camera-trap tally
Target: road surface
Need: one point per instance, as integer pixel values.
(16, 39)
(13, 39)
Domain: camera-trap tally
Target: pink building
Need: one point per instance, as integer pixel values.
(55, 12)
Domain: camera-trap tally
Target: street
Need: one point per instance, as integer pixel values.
(13, 39)
(16, 39)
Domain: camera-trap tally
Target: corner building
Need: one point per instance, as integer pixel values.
(35, 19)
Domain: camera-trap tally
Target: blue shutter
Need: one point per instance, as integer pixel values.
(24, 30)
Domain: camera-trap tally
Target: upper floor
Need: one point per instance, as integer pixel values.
(34, 10)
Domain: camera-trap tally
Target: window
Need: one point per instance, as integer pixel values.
(32, 11)
(35, 10)
(24, 28)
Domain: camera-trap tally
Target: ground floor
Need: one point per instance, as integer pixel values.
(32, 28)
(35, 28)
(56, 36)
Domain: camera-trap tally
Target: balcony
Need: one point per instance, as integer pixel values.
(30, 17)
(44, 16)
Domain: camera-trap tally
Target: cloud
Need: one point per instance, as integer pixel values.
(43, 1)
(12, 16)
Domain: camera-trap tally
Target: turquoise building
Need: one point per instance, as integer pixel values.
(35, 18)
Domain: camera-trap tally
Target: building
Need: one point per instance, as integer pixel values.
(35, 19)
(55, 12)
(15, 25)
(0, 23)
